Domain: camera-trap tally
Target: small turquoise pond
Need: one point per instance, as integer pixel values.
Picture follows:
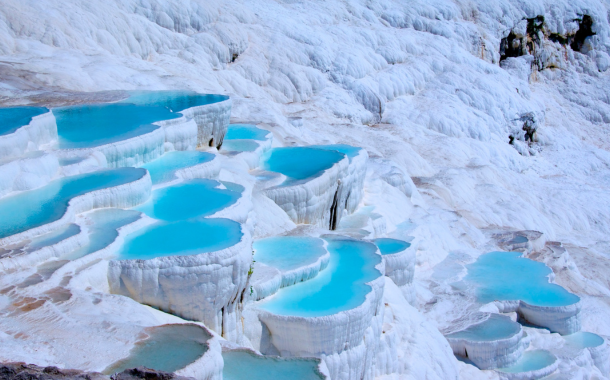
(245, 132)
(49, 203)
(288, 252)
(168, 348)
(190, 199)
(298, 163)
(103, 231)
(88, 126)
(584, 339)
(243, 365)
(174, 100)
(54, 237)
(341, 286)
(164, 169)
(389, 246)
(181, 238)
(495, 328)
(348, 150)
(239, 145)
(531, 361)
(13, 118)
(507, 276)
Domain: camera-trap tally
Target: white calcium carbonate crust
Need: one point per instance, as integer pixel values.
(41, 132)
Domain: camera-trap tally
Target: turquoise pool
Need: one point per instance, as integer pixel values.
(190, 199)
(239, 145)
(584, 339)
(507, 276)
(12, 118)
(245, 132)
(174, 100)
(183, 238)
(164, 168)
(49, 203)
(298, 163)
(495, 328)
(341, 286)
(103, 231)
(389, 246)
(243, 365)
(168, 348)
(531, 361)
(348, 150)
(288, 252)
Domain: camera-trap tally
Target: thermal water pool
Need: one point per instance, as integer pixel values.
(583, 339)
(173, 100)
(13, 118)
(388, 246)
(190, 199)
(240, 145)
(341, 286)
(299, 163)
(244, 365)
(88, 126)
(49, 203)
(507, 276)
(103, 229)
(168, 348)
(348, 150)
(164, 168)
(288, 252)
(531, 361)
(496, 327)
(245, 132)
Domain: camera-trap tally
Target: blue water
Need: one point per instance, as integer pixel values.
(49, 203)
(243, 365)
(495, 328)
(299, 163)
(190, 199)
(70, 160)
(531, 361)
(239, 145)
(168, 348)
(506, 276)
(245, 132)
(389, 246)
(13, 118)
(103, 231)
(54, 237)
(94, 125)
(164, 169)
(174, 100)
(348, 150)
(341, 286)
(288, 252)
(181, 238)
(584, 339)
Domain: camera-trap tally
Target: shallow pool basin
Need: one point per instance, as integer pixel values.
(13, 118)
(245, 132)
(165, 167)
(389, 246)
(245, 365)
(300, 163)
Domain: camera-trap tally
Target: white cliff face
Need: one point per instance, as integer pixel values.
(212, 121)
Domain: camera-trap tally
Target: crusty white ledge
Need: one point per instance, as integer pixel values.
(212, 122)
(40, 132)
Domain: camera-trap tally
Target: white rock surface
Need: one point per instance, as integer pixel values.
(40, 133)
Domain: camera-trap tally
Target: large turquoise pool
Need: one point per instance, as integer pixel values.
(507, 276)
(49, 203)
(12, 118)
(174, 100)
(183, 238)
(288, 252)
(168, 348)
(190, 199)
(496, 327)
(298, 163)
(243, 365)
(164, 168)
(341, 286)
(389, 246)
(245, 132)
